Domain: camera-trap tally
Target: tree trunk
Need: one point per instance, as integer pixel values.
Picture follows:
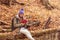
(8, 2)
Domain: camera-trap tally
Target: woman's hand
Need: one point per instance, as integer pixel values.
(22, 23)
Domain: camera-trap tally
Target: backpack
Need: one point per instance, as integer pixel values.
(12, 24)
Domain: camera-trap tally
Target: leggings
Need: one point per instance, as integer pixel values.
(26, 33)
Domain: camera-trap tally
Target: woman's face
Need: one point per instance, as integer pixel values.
(21, 15)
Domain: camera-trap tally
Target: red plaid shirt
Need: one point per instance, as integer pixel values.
(24, 21)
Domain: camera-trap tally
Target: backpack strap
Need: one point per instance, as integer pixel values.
(12, 23)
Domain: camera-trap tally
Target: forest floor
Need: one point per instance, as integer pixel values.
(35, 10)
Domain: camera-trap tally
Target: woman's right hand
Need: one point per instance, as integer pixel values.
(22, 24)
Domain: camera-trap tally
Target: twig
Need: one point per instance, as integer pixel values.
(47, 23)
(3, 22)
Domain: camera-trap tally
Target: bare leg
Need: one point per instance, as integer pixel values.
(27, 33)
